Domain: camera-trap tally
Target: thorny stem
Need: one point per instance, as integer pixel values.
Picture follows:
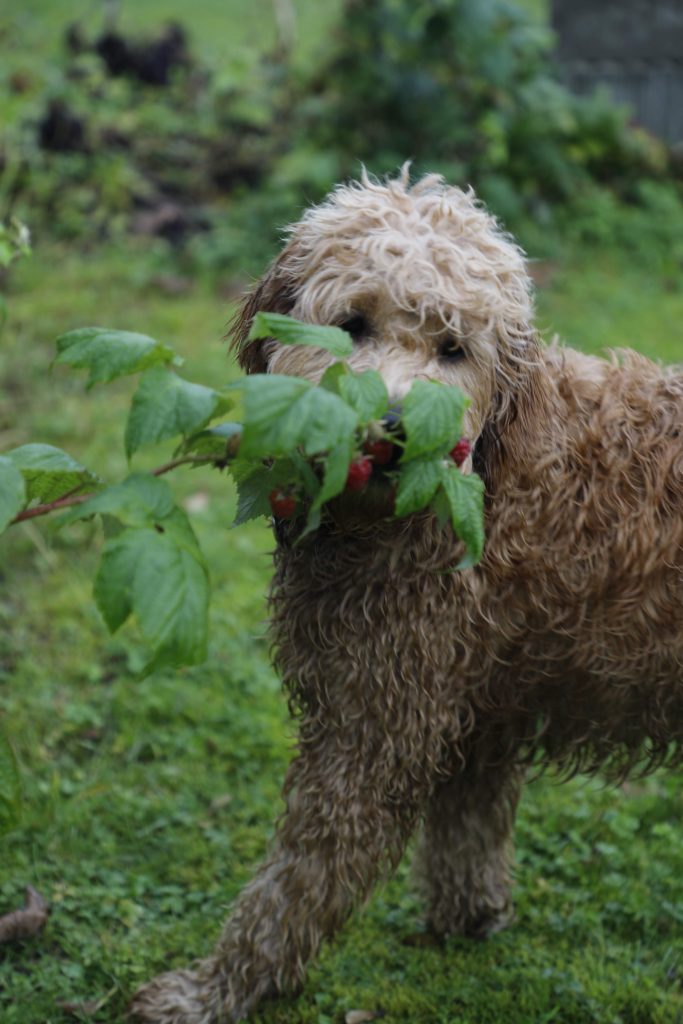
(78, 499)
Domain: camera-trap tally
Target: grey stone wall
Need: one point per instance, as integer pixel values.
(634, 47)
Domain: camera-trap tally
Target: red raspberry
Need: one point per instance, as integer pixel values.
(283, 506)
(360, 472)
(381, 452)
(461, 451)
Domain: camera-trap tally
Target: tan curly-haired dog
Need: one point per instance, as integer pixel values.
(422, 693)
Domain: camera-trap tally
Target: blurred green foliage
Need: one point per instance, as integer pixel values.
(469, 88)
(216, 163)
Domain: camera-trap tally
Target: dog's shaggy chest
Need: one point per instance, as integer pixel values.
(579, 595)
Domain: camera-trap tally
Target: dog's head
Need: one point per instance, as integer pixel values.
(421, 277)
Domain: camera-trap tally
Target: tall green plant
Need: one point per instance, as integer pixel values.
(469, 87)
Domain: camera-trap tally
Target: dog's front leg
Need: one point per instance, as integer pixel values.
(350, 810)
(464, 857)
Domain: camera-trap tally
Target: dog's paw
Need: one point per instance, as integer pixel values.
(487, 923)
(475, 923)
(178, 997)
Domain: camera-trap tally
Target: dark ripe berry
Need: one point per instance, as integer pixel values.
(461, 451)
(283, 506)
(391, 420)
(360, 472)
(381, 452)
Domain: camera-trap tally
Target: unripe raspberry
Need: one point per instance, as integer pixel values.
(360, 472)
(461, 451)
(283, 506)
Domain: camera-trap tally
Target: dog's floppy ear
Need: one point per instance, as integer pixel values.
(518, 407)
(274, 293)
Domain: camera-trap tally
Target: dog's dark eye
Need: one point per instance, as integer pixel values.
(356, 326)
(451, 350)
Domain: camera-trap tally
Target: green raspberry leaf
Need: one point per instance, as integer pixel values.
(332, 376)
(158, 575)
(366, 393)
(113, 584)
(432, 418)
(292, 332)
(219, 442)
(139, 500)
(464, 494)
(418, 482)
(109, 354)
(12, 492)
(336, 472)
(252, 495)
(254, 484)
(10, 786)
(49, 473)
(165, 405)
(284, 413)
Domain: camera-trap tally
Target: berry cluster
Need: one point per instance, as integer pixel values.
(378, 452)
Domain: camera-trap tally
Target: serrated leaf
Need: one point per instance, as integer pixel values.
(113, 585)
(139, 500)
(10, 786)
(432, 418)
(165, 405)
(214, 441)
(255, 484)
(109, 354)
(284, 413)
(465, 496)
(292, 332)
(335, 474)
(304, 472)
(158, 574)
(252, 496)
(418, 482)
(313, 520)
(12, 492)
(49, 473)
(332, 375)
(366, 393)
(441, 508)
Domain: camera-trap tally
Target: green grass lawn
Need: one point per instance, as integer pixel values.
(148, 802)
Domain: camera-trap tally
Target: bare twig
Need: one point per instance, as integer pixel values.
(196, 460)
(50, 506)
(77, 499)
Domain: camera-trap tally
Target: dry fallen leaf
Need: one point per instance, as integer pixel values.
(25, 923)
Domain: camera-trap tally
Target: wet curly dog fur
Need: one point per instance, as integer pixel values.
(421, 694)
